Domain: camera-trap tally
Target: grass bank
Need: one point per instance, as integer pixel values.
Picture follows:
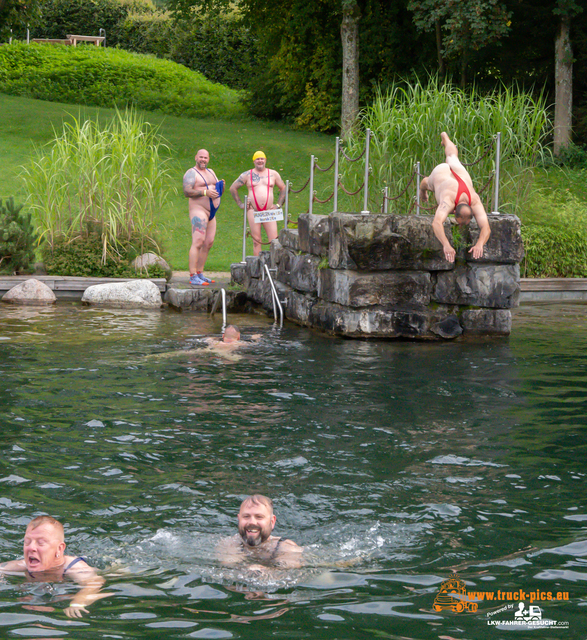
(27, 123)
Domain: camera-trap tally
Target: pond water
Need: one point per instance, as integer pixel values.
(392, 463)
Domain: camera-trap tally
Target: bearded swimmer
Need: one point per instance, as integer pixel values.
(254, 545)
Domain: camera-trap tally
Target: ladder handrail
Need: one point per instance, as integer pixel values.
(274, 297)
(221, 294)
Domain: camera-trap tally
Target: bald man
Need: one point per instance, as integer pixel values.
(203, 190)
(44, 560)
(454, 192)
(260, 182)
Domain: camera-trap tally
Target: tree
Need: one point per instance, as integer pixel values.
(462, 27)
(563, 75)
(349, 36)
(16, 15)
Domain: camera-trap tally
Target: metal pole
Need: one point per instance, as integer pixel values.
(102, 33)
(311, 184)
(223, 293)
(366, 194)
(245, 229)
(28, 35)
(385, 201)
(418, 188)
(286, 207)
(336, 152)
(276, 299)
(496, 177)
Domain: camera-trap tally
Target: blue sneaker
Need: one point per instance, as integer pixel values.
(196, 281)
(206, 280)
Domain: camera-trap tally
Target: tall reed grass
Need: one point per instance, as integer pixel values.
(112, 178)
(406, 123)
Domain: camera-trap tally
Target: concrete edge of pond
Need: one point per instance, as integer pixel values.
(72, 288)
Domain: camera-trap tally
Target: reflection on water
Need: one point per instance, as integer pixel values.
(393, 464)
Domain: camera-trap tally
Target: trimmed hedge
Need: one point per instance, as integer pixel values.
(112, 78)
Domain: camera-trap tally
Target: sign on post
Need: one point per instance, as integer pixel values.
(269, 215)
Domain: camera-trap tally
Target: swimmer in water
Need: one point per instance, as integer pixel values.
(454, 192)
(44, 561)
(254, 543)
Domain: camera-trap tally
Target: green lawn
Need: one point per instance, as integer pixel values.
(26, 124)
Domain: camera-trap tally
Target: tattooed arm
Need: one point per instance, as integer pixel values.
(189, 184)
(236, 185)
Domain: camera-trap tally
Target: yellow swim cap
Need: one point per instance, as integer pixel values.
(259, 154)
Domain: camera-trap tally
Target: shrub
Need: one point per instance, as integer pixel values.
(112, 177)
(82, 257)
(17, 238)
(112, 78)
(552, 252)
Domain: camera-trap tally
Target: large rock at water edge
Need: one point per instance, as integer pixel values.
(363, 289)
(150, 260)
(314, 234)
(480, 285)
(373, 242)
(136, 293)
(30, 292)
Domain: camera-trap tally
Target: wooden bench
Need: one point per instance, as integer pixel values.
(97, 40)
(52, 40)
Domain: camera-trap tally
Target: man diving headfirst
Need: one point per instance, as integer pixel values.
(454, 192)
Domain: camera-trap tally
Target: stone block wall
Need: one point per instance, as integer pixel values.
(385, 276)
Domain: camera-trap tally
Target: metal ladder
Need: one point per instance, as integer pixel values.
(274, 297)
(221, 295)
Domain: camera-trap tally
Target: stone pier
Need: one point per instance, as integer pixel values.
(385, 276)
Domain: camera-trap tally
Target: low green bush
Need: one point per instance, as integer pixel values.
(17, 238)
(82, 257)
(552, 252)
(112, 78)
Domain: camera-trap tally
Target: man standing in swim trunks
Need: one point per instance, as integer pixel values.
(453, 188)
(45, 561)
(254, 542)
(260, 181)
(203, 189)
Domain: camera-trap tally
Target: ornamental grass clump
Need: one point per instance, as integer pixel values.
(113, 178)
(406, 123)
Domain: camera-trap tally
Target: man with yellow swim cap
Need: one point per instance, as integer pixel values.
(260, 182)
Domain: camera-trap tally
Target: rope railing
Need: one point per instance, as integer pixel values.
(352, 159)
(488, 148)
(350, 193)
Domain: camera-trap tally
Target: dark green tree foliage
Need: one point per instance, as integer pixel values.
(15, 15)
(299, 76)
(17, 238)
(87, 17)
(465, 26)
